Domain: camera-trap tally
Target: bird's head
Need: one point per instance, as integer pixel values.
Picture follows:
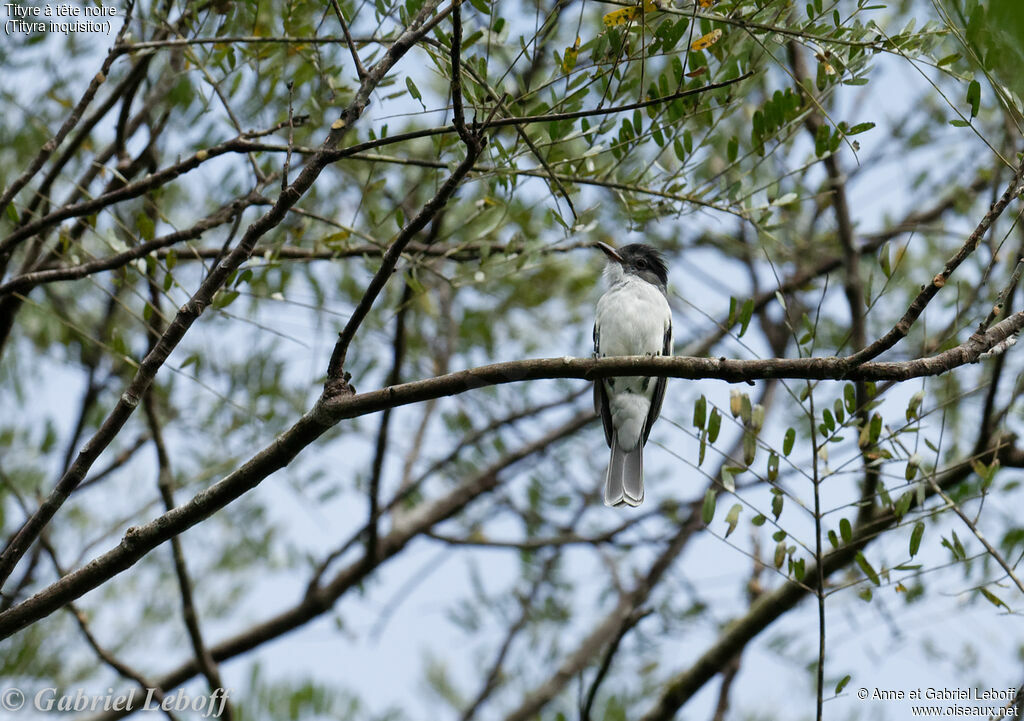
(639, 259)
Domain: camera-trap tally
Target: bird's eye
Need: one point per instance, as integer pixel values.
(641, 264)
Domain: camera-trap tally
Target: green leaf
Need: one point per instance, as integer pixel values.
(799, 569)
(773, 466)
(850, 397)
(958, 123)
(745, 315)
(903, 504)
(959, 547)
(145, 225)
(830, 422)
(787, 442)
(842, 684)
(749, 447)
(678, 148)
(974, 97)
(700, 409)
(225, 298)
(707, 512)
(845, 530)
(876, 428)
(867, 569)
(732, 518)
(860, 128)
(837, 408)
(993, 599)
(759, 519)
(728, 480)
(714, 425)
(733, 149)
(777, 505)
(414, 91)
(883, 260)
(821, 138)
(915, 538)
(12, 213)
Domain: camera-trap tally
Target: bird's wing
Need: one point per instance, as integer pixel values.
(600, 395)
(659, 385)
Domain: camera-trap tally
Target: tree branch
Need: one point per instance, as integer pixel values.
(360, 70)
(900, 330)
(771, 605)
(382, 432)
(474, 142)
(191, 310)
(734, 371)
(27, 281)
(321, 599)
(76, 114)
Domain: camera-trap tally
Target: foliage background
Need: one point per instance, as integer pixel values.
(829, 159)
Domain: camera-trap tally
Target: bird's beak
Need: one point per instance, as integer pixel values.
(610, 252)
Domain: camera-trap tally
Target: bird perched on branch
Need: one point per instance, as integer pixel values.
(633, 318)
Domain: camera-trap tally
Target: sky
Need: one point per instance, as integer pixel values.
(386, 636)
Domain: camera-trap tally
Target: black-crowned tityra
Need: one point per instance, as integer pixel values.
(633, 318)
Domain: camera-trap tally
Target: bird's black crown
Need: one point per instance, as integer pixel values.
(644, 259)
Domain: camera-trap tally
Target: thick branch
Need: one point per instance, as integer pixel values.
(330, 411)
(321, 599)
(734, 371)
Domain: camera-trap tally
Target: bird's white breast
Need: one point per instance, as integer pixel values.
(632, 317)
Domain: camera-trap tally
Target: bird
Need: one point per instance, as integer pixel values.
(633, 318)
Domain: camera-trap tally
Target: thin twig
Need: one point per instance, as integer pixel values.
(76, 114)
(360, 70)
(335, 368)
(373, 490)
(606, 662)
(900, 330)
(165, 485)
(291, 138)
(189, 312)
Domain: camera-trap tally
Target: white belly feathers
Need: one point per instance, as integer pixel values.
(632, 318)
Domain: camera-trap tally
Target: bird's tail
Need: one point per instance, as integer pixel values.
(624, 483)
